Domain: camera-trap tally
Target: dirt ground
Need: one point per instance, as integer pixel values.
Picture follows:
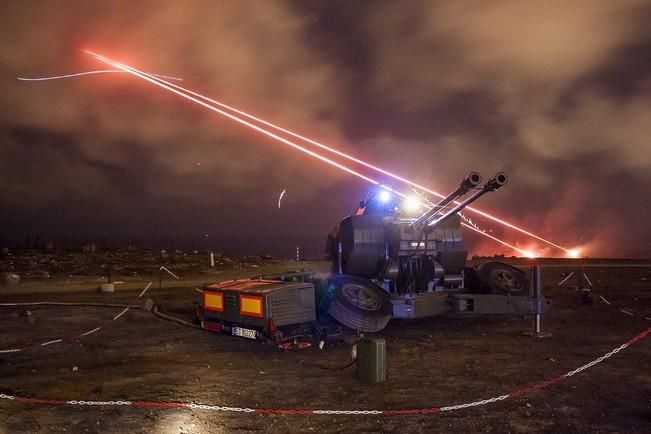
(434, 362)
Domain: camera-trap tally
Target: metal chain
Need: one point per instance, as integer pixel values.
(598, 360)
(475, 403)
(334, 412)
(109, 403)
(221, 408)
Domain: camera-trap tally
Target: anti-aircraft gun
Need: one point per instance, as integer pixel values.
(392, 258)
(397, 258)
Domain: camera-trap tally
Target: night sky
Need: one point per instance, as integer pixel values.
(555, 93)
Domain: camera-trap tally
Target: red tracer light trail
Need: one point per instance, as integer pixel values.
(525, 253)
(235, 118)
(172, 89)
(79, 74)
(361, 162)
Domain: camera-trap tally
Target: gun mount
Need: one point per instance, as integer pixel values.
(417, 264)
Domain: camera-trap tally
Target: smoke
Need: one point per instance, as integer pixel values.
(556, 94)
(251, 56)
(563, 93)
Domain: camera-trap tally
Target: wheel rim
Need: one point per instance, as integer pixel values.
(507, 280)
(361, 296)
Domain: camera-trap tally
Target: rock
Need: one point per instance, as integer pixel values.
(31, 318)
(149, 305)
(10, 279)
(107, 287)
(41, 274)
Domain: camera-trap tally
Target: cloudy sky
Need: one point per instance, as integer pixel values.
(555, 93)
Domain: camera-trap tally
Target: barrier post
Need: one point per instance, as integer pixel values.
(535, 291)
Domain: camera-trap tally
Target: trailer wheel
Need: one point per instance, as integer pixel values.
(501, 278)
(360, 304)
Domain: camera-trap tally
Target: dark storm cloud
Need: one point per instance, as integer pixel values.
(556, 93)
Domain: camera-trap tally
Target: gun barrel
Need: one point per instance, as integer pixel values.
(496, 182)
(469, 182)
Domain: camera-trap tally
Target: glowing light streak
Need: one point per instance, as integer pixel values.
(469, 221)
(236, 119)
(504, 243)
(364, 163)
(98, 71)
(175, 89)
(411, 202)
(280, 198)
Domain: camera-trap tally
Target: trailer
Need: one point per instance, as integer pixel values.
(258, 308)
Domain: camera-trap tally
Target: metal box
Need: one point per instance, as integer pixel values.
(371, 360)
(263, 306)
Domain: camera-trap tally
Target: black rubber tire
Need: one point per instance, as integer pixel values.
(359, 304)
(501, 278)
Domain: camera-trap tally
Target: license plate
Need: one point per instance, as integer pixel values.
(245, 333)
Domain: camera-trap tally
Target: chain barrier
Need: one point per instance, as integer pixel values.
(220, 408)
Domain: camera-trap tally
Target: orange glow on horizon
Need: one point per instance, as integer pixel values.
(574, 253)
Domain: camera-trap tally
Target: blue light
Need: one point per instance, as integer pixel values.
(384, 196)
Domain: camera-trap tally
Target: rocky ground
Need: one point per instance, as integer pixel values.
(43, 263)
(434, 362)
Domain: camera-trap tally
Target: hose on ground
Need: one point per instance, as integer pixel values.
(328, 368)
(155, 310)
(59, 303)
(182, 322)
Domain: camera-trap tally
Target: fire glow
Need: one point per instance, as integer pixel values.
(201, 100)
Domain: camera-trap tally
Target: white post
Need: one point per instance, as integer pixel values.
(212, 259)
